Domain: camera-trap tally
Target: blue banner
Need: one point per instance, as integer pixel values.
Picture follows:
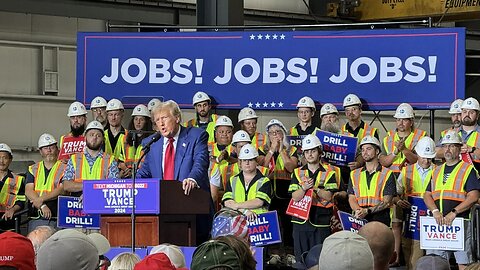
(412, 220)
(264, 230)
(71, 214)
(337, 149)
(350, 223)
(272, 70)
(114, 196)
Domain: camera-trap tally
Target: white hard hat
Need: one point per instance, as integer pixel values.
(275, 122)
(199, 97)
(306, 102)
(76, 108)
(248, 151)
(141, 110)
(46, 140)
(114, 104)
(451, 136)
(98, 102)
(152, 103)
(223, 120)
(425, 147)
(404, 111)
(310, 141)
(94, 125)
(350, 100)
(241, 136)
(5, 148)
(370, 140)
(328, 108)
(456, 106)
(471, 103)
(246, 113)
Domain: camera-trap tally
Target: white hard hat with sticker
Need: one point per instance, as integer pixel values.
(425, 147)
(5, 148)
(248, 151)
(350, 100)
(456, 106)
(246, 113)
(311, 141)
(451, 137)
(306, 102)
(152, 103)
(328, 108)
(141, 110)
(275, 122)
(199, 97)
(471, 104)
(46, 140)
(404, 111)
(223, 121)
(76, 109)
(94, 125)
(114, 104)
(98, 102)
(370, 140)
(241, 136)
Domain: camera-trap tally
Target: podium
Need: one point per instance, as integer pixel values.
(176, 223)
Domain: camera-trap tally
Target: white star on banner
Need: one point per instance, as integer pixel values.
(267, 36)
(252, 37)
(274, 36)
(280, 104)
(257, 105)
(250, 104)
(272, 104)
(282, 36)
(265, 104)
(259, 36)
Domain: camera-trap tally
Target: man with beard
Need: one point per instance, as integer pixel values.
(115, 133)
(372, 187)
(398, 153)
(43, 184)
(204, 118)
(305, 113)
(12, 190)
(329, 117)
(92, 164)
(77, 115)
(99, 110)
(452, 192)
(247, 118)
(469, 131)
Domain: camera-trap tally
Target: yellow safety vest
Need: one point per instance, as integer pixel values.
(118, 151)
(322, 179)
(294, 131)
(366, 130)
(9, 193)
(453, 188)
(97, 172)
(336, 169)
(42, 185)
(412, 182)
(410, 142)
(223, 165)
(234, 169)
(210, 127)
(239, 193)
(258, 140)
(372, 195)
(132, 155)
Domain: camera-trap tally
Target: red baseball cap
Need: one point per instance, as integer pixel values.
(156, 261)
(16, 250)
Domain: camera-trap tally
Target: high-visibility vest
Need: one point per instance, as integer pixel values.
(322, 179)
(412, 181)
(234, 169)
(453, 188)
(372, 195)
(210, 126)
(294, 131)
(279, 172)
(9, 193)
(258, 140)
(118, 151)
(132, 154)
(239, 193)
(336, 169)
(410, 142)
(223, 165)
(366, 130)
(42, 185)
(83, 171)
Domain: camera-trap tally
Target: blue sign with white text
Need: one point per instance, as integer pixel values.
(351, 223)
(337, 149)
(71, 214)
(114, 196)
(272, 70)
(264, 230)
(412, 221)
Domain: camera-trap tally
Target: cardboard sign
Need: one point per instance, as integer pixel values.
(301, 209)
(114, 196)
(412, 221)
(337, 149)
(350, 223)
(433, 236)
(264, 230)
(71, 214)
(70, 146)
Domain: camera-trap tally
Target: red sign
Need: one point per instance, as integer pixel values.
(70, 146)
(301, 209)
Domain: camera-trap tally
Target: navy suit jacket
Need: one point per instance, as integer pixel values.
(191, 157)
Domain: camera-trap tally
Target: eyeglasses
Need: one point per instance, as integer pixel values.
(275, 132)
(96, 110)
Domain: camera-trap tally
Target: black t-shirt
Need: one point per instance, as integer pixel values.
(357, 130)
(52, 204)
(309, 130)
(114, 139)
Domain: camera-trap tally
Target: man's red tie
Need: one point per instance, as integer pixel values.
(169, 165)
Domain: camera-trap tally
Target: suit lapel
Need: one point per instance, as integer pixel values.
(159, 157)
(180, 151)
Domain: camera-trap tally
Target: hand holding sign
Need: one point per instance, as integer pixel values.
(404, 204)
(448, 219)
(361, 213)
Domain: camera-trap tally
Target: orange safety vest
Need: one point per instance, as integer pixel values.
(410, 142)
(412, 182)
(83, 171)
(45, 186)
(321, 180)
(9, 193)
(366, 130)
(372, 195)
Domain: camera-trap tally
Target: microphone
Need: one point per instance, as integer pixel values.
(155, 138)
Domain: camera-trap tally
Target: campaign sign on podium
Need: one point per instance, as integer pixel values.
(115, 196)
(71, 215)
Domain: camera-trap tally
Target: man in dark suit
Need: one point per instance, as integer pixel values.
(180, 154)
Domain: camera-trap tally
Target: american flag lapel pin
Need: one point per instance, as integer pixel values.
(184, 144)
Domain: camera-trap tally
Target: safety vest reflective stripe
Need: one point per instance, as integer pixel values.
(366, 130)
(210, 126)
(239, 192)
(258, 140)
(412, 182)
(42, 186)
(320, 180)
(369, 195)
(83, 171)
(410, 142)
(8, 194)
(280, 172)
(132, 155)
(453, 188)
(118, 151)
(336, 169)
(223, 166)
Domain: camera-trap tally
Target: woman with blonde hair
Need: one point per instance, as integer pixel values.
(124, 261)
